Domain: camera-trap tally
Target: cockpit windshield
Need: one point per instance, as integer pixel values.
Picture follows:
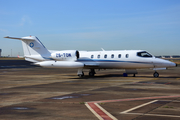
(144, 54)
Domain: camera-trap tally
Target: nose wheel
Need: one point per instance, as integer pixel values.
(156, 74)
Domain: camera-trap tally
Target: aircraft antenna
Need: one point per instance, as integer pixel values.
(102, 49)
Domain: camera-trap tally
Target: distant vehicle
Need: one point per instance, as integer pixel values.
(130, 60)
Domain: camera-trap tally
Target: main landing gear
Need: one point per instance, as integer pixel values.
(156, 74)
(92, 72)
(81, 73)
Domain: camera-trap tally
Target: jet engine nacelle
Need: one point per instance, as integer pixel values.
(68, 55)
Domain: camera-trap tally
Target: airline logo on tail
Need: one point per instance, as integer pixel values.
(31, 44)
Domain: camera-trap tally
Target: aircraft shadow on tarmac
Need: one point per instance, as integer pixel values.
(120, 75)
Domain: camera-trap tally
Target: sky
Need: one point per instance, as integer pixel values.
(152, 25)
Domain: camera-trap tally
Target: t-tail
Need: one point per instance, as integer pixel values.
(34, 50)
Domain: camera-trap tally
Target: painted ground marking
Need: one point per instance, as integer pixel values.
(153, 115)
(102, 114)
(139, 106)
(99, 112)
(126, 112)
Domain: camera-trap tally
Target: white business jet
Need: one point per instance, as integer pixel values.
(130, 60)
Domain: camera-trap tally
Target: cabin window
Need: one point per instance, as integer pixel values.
(119, 56)
(127, 55)
(98, 56)
(112, 56)
(92, 56)
(105, 56)
(144, 54)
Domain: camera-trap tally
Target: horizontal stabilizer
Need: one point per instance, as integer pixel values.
(23, 38)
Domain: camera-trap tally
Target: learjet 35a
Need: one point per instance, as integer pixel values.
(130, 60)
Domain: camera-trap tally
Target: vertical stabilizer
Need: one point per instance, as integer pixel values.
(32, 46)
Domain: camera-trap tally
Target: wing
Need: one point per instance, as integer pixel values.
(88, 63)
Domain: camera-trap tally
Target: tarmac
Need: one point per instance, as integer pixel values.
(59, 94)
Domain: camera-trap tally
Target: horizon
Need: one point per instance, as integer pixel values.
(91, 25)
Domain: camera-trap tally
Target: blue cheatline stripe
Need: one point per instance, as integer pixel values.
(99, 60)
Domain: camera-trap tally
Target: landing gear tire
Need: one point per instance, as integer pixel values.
(91, 74)
(156, 74)
(81, 75)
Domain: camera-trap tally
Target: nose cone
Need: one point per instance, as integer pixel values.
(173, 64)
(163, 63)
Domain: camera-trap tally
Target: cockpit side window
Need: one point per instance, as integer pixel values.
(144, 54)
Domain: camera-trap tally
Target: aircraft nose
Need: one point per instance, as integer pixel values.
(173, 64)
(163, 63)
